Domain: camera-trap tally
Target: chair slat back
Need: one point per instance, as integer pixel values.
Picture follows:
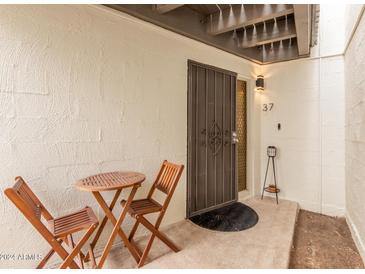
(21, 189)
(167, 179)
(26, 201)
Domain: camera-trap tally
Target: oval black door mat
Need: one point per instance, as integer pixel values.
(233, 217)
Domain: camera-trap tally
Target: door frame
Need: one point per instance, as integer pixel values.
(189, 162)
(252, 159)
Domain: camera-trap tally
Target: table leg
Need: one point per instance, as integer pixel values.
(106, 210)
(103, 223)
(116, 228)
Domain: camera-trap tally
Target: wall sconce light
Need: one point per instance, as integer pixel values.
(260, 83)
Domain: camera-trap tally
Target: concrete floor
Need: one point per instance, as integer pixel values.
(323, 242)
(266, 245)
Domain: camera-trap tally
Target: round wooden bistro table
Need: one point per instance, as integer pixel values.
(112, 181)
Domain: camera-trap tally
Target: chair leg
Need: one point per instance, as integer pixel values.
(158, 234)
(155, 233)
(72, 244)
(50, 254)
(45, 259)
(131, 235)
(92, 257)
(146, 251)
(56, 245)
(77, 248)
(133, 231)
(69, 241)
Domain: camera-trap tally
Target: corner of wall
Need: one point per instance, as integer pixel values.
(356, 237)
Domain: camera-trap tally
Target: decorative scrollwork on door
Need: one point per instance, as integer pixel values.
(215, 138)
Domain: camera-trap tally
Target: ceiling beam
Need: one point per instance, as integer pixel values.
(302, 15)
(164, 8)
(266, 34)
(279, 51)
(239, 16)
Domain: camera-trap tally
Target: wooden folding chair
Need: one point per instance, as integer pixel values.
(166, 182)
(59, 230)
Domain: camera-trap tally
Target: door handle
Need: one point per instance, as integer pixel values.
(234, 137)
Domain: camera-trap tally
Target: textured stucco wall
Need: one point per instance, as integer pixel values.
(355, 135)
(84, 90)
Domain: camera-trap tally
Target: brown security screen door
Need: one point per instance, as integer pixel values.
(212, 176)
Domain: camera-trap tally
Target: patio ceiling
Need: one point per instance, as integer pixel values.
(263, 33)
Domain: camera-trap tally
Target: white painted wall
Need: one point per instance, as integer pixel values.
(293, 87)
(332, 29)
(82, 91)
(355, 129)
(309, 103)
(332, 135)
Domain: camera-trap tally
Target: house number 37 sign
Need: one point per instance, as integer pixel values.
(267, 107)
